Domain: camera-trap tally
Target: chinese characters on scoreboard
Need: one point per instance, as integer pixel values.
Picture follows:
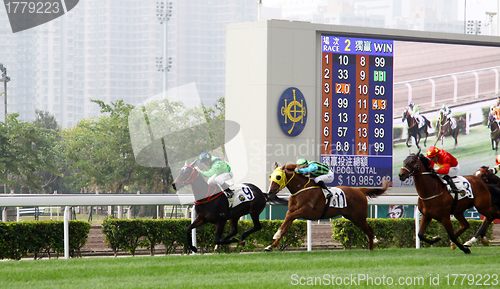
(357, 109)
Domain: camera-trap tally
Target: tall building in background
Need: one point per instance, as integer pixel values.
(106, 50)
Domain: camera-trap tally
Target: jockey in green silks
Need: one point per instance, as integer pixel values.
(316, 170)
(218, 172)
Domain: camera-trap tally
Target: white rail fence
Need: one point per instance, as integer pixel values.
(67, 201)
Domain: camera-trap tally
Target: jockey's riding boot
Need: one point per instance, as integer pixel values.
(323, 185)
(228, 191)
(451, 183)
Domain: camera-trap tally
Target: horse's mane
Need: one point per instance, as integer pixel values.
(426, 162)
(289, 166)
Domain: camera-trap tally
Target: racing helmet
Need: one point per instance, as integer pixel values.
(497, 160)
(204, 157)
(302, 162)
(432, 152)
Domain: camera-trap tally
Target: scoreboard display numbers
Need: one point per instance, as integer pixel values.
(357, 109)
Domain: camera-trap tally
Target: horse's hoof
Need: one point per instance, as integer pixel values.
(467, 244)
(435, 239)
(375, 240)
(453, 246)
(484, 240)
(193, 248)
(268, 248)
(242, 243)
(466, 250)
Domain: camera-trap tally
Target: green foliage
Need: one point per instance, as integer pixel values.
(172, 233)
(397, 233)
(23, 239)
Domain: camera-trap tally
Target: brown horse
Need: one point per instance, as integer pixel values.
(494, 131)
(444, 128)
(307, 201)
(434, 201)
(493, 183)
(414, 130)
(215, 207)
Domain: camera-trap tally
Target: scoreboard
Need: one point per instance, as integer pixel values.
(357, 109)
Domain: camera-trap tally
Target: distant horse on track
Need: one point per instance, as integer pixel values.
(414, 130)
(435, 202)
(308, 201)
(494, 131)
(215, 207)
(444, 126)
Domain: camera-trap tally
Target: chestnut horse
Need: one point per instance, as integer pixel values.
(215, 207)
(444, 128)
(493, 183)
(434, 201)
(307, 201)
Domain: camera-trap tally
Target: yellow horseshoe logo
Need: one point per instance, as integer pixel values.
(295, 111)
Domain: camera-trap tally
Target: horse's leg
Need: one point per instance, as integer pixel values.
(480, 232)
(445, 220)
(290, 217)
(417, 139)
(426, 135)
(196, 223)
(219, 229)
(256, 225)
(408, 139)
(234, 230)
(361, 223)
(424, 223)
(464, 225)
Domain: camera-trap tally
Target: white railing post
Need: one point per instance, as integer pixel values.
(410, 92)
(476, 92)
(496, 81)
(120, 212)
(18, 213)
(193, 232)
(66, 232)
(433, 93)
(467, 122)
(4, 214)
(416, 215)
(309, 229)
(455, 88)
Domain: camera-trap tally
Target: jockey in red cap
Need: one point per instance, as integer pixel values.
(448, 165)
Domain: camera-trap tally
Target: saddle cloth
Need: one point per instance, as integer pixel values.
(338, 199)
(463, 186)
(241, 194)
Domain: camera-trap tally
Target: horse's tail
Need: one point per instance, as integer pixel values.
(428, 122)
(373, 193)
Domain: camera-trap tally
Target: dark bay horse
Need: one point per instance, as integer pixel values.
(307, 201)
(493, 183)
(494, 131)
(434, 201)
(444, 128)
(215, 208)
(414, 130)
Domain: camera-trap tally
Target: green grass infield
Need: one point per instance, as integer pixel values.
(383, 268)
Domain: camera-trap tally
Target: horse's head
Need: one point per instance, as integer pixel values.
(412, 165)
(280, 177)
(405, 115)
(187, 174)
(483, 173)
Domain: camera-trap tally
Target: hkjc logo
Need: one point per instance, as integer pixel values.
(31, 13)
(292, 111)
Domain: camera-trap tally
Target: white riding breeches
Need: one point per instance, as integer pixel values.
(453, 171)
(220, 179)
(326, 178)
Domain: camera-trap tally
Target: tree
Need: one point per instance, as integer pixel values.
(98, 151)
(26, 149)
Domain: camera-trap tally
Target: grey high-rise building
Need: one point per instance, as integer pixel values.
(108, 50)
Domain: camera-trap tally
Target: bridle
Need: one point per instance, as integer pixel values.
(413, 171)
(283, 181)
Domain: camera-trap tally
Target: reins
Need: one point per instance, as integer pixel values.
(210, 195)
(412, 173)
